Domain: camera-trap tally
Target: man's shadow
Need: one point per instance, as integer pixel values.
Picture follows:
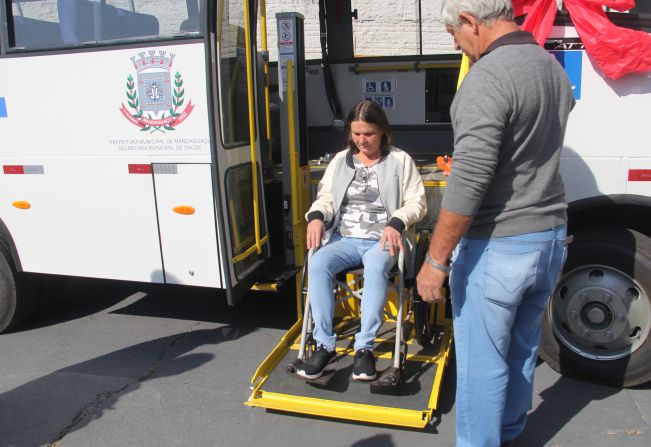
(560, 404)
(34, 413)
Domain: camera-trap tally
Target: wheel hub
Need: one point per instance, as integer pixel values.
(600, 313)
(591, 312)
(597, 316)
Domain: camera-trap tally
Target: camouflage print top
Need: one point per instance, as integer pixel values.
(362, 213)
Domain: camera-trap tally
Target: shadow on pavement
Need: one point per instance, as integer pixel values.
(33, 414)
(258, 309)
(72, 300)
(381, 440)
(82, 297)
(561, 403)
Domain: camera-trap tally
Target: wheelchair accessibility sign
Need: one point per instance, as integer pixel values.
(381, 90)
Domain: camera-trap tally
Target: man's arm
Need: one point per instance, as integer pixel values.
(449, 230)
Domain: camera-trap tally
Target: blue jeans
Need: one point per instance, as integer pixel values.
(340, 254)
(499, 289)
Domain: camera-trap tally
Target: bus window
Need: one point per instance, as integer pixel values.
(36, 23)
(232, 74)
(440, 87)
(39, 24)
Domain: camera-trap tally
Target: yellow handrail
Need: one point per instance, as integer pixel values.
(263, 38)
(220, 19)
(254, 161)
(291, 124)
(463, 69)
(252, 249)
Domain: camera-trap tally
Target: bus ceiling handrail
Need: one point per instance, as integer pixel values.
(416, 66)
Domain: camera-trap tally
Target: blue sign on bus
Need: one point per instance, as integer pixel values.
(571, 62)
(3, 108)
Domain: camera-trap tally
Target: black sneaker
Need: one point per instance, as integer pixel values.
(364, 367)
(321, 360)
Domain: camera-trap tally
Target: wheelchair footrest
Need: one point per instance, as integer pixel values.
(389, 378)
(323, 381)
(293, 366)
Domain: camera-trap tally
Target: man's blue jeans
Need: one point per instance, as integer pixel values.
(340, 254)
(499, 289)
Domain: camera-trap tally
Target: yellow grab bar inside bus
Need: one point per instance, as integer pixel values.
(293, 162)
(257, 247)
(263, 38)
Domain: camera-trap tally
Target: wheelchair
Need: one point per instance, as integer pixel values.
(408, 321)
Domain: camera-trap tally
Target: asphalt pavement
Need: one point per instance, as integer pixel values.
(124, 364)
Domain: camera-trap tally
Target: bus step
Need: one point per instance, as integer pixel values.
(275, 279)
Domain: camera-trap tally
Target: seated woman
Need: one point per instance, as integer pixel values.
(369, 193)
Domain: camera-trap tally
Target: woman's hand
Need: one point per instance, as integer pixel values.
(391, 239)
(315, 233)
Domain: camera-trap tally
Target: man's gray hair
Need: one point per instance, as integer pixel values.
(485, 11)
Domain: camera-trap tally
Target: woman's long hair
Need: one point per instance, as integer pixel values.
(369, 112)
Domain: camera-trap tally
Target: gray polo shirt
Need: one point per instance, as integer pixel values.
(509, 119)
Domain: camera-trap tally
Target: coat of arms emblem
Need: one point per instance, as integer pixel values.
(157, 102)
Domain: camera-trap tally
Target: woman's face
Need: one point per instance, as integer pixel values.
(367, 137)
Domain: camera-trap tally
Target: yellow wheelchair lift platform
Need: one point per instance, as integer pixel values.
(410, 403)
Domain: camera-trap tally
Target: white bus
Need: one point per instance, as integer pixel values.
(127, 132)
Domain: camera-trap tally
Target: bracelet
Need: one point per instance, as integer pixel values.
(437, 265)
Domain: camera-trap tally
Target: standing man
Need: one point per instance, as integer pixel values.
(504, 210)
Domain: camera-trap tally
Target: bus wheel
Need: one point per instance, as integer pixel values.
(18, 295)
(598, 322)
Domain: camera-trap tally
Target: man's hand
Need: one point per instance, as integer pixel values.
(430, 283)
(315, 233)
(450, 227)
(391, 239)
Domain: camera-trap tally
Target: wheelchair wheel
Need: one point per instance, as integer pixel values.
(423, 311)
(422, 323)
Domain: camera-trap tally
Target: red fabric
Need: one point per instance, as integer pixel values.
(540, 19)
(617, 51)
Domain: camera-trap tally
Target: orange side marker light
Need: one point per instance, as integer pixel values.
(183, 209)
(22, 205)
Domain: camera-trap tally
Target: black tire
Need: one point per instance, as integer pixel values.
(18, 295)
(597, 325)
(423, 328)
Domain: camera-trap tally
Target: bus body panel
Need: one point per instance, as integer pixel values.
(586, 177)
(75, 104)
(639, 184)
(71, 147)
(610, 114)
(186, 214)
(86, 217)
(603, 139)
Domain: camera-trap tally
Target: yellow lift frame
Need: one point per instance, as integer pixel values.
(387, 414)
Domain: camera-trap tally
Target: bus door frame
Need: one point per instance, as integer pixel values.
(242, 261)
